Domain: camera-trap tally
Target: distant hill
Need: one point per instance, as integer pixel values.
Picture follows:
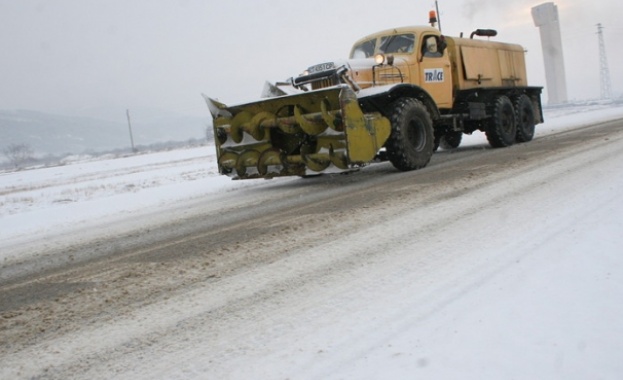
(57, 134)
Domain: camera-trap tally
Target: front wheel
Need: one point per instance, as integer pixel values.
(411, 142)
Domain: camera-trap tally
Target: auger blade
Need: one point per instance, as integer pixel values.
(288, 135)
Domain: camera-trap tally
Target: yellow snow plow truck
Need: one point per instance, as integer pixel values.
(401, 94)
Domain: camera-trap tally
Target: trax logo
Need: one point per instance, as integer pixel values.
(433, 75)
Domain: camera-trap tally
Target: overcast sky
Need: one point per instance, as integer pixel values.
(68, 56)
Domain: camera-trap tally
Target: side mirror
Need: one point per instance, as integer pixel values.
(442, 45)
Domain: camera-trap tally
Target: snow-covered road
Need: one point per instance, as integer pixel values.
(487, 264)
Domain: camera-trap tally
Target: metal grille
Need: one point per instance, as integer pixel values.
(324, 83)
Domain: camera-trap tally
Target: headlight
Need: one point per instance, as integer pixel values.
(379, 59)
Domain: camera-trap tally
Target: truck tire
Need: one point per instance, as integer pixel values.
(502, 128)
(410, 144)
(524, 112)
(451, 140)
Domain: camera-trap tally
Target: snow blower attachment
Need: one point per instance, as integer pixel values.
(292, 135)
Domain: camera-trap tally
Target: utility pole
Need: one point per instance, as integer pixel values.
(604, 74)
(127, 112)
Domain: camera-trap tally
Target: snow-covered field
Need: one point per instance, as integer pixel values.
(546, 304)
(49, 201)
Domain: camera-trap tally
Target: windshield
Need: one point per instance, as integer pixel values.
(364, 49)
(395, 43)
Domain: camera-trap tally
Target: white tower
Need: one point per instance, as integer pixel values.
(545, 17)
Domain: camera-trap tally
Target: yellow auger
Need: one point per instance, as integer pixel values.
(289, 135)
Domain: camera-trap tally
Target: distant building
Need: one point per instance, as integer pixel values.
(545, 17)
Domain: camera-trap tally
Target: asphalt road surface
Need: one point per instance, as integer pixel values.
(240, 279)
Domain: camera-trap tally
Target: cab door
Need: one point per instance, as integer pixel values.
(435, 75)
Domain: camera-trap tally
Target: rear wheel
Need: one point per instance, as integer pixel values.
(411, 142)
(451, 140)
(525, 118)
(502, 128)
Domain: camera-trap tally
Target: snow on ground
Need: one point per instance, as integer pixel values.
(54, 199)
(546, 304)
(557, 290)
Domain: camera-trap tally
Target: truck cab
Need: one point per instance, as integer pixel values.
(414, 55)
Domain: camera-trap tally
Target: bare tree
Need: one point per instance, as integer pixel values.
(18, 154)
